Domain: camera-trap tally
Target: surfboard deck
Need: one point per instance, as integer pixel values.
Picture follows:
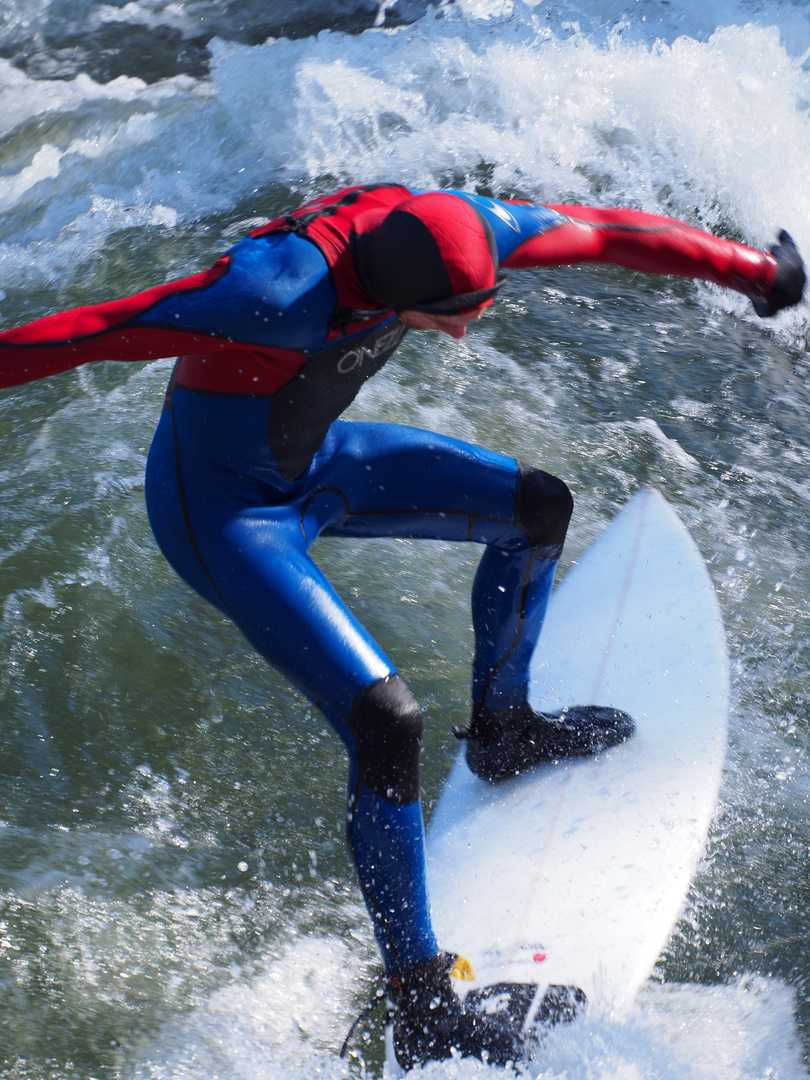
(575, 873)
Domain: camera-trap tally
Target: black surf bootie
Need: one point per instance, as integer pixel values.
(430, 1022)
(507, 742)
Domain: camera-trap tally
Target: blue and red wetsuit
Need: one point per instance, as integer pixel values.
(251, 463)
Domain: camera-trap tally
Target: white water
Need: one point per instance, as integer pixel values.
(279, 1026)
(661, 109)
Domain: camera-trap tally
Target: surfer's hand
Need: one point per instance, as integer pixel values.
(789, 282)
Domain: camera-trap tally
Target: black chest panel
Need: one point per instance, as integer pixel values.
(325, 386)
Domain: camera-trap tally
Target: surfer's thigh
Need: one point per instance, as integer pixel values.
(403, 481)
(290, 611)
(169, 513)
(251, 561)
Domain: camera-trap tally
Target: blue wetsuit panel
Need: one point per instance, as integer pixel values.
(276, 292)
(512, 223)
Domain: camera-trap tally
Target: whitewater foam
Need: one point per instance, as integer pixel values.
(712, 126)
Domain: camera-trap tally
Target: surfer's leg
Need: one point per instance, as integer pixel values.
(513, 585)
(506, 736)
(251, 561)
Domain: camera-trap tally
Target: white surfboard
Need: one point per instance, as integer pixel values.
(576, 873)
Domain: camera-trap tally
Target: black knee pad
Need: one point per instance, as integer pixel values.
(387, 725)
(543, 508)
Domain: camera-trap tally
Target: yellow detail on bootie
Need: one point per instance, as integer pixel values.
(462, 969)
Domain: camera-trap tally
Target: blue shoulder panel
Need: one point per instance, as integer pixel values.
(277, 292)
(512, 223)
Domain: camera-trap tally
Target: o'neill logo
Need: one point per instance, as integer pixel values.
(355, 358)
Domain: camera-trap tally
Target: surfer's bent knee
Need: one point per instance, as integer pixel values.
(543, 508)
(386, 722)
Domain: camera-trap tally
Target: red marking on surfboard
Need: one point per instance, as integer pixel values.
(539, 957)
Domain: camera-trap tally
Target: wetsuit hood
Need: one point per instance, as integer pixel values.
(434, 253)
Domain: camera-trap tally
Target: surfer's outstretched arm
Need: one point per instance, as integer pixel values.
(222, 313)
(117, 330)
(661, 245)
(563, 235)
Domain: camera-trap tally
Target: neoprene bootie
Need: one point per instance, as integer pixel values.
(507, 742)
(432, 1023)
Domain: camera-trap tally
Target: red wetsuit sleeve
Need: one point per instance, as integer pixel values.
(103, 332)
(649, 243)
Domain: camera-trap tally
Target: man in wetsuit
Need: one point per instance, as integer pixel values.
(251, 463)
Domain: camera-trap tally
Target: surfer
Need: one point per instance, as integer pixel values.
(251, 463)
